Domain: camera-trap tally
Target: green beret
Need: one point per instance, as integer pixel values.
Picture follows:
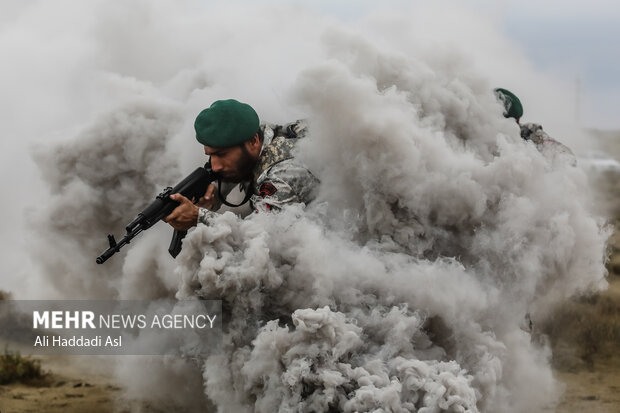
(226, 123)
(512, 104)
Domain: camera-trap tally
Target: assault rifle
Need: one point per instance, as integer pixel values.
(192, 187)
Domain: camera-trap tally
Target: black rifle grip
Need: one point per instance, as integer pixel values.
(175, 243)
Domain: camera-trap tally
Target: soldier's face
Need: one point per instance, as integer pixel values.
(233, 164)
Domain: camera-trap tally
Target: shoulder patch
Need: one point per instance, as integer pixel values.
(267, 189)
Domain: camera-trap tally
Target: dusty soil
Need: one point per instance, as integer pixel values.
(593, 390)
(73, 387)
(596, 390)
(72, 384)
(62, 394)
(68, 389)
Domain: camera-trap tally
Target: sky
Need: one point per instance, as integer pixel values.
(575, 41)
(572, 41)
(578, 41)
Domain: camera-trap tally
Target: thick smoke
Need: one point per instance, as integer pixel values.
(403, 287)
(128, 147)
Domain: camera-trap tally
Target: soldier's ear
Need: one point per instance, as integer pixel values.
(254, 145)
(255, 140)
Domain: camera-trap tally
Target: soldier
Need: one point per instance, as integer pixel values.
(258, 157)
(533, 132)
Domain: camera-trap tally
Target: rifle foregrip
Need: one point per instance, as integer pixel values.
(175, 242)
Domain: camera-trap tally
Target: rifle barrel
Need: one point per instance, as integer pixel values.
(192, 187)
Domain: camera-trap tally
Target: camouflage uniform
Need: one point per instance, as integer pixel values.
(278, 178)
(549, 147)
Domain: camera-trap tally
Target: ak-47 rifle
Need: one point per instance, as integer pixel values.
(192, 187)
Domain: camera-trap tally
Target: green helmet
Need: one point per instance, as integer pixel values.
(226, 123)
(511, 103)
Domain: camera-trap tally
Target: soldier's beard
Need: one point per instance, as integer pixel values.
(243, 168)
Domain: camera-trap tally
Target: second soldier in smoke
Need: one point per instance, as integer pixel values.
(533, 132)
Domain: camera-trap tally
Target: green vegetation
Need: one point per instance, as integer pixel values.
(613, 266)
(585, 330)
(17, 368)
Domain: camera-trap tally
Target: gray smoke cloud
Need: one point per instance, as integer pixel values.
(402, 288)
(128, 146)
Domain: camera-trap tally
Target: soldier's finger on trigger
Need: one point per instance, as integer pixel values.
(173, 215)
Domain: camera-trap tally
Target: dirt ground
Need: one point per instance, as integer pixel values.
(594, 387)
(592, 390)
(63, 394)
(67, 389)
(71, 387)
(68, 386)
(72, 384)
(596, 390)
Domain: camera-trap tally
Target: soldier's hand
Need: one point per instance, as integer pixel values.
(208, 199)
(184, 216)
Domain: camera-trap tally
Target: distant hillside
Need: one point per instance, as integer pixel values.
(608, 139)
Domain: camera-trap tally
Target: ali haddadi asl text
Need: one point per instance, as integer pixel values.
(77, 341)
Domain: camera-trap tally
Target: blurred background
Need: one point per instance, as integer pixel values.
(65, 63)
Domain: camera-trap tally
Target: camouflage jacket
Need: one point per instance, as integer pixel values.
(549, 147)
(278, 178)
